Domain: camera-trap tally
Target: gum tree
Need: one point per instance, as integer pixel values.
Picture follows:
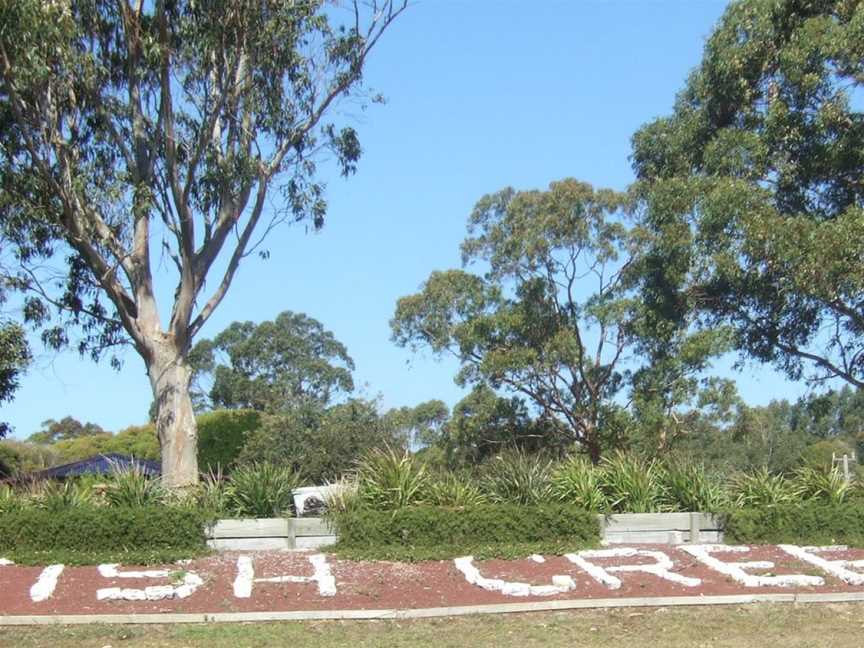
(754, 188)
(551, 319)
(164, 140)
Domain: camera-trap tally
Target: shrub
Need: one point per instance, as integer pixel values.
(808, 523)
(516, 477)
(222, 435)
(575, 481)
(95, 529)
(387, 480)
(633, 485)
(687, 486)
(262, 490)
(762, 489)
(454, 531)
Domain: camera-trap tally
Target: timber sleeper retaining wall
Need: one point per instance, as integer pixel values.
(312, 533)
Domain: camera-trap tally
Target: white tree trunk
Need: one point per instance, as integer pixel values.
(175, 420)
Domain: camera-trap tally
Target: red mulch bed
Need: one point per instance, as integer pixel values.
(387, 585)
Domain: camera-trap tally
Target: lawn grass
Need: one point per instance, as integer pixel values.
(787, 625)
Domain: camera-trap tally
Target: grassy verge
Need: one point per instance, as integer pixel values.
(790, 626)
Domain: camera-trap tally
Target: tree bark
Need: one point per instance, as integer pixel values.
(170, 376)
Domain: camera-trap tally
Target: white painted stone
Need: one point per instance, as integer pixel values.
(321, 575)
(537, 558)
(45, 585)
(837, 568)
(190, 582)
(662, 567)
(737, 570)
(4, 562)
(560, 584)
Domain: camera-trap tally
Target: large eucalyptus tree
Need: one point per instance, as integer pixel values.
(137, 134)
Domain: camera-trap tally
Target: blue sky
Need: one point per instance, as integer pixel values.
(482, 94)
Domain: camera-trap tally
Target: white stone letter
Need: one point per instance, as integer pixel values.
(44, 586)
(560, 584)
(321, 575)
(189, 582)
(837, 568)
(662, 567)
(736, 570)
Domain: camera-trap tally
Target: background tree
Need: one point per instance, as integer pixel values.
(63, 430)
(321, 444)
(272, 366)
(551, 319)
(131, 132)
(754, 188)
(14, 359)
(420, 426)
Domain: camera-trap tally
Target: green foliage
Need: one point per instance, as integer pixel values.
(752, 190)
(101, 529)
(633, 485)
(222, 435)
(522, 326)
(64, 429)
(15, 357)
(387, 480)
(59, 496)
(687, 486)
(262, 490)
(273, 366)
(130, 487)
(576, 481)
(454, 490)
(821, 484)
(762, 490)
(821, 453)
(484, 424)
(806, 523)
(454, 531)
(515, 477)
(321, 443)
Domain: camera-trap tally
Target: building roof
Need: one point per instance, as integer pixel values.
(101, 464)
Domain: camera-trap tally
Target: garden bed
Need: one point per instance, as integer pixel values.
(288, 581)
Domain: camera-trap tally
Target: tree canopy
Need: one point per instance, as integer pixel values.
(753, 186)
(137, 133)
(273, 366)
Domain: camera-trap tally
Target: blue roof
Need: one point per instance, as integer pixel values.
(102, 464)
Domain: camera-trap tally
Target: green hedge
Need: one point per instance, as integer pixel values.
(96, 530)
(810, 523)
(426, 532)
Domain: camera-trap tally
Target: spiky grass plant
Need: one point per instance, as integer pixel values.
(59, 496)
(762, 489)
(577, 481)
(516, 477)
(632, 484)
(687, 486)
(10, 500)
(262, 490)
(821, 483)
(213, 494)
(130, 486)
(387, 480)
(455, 490)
